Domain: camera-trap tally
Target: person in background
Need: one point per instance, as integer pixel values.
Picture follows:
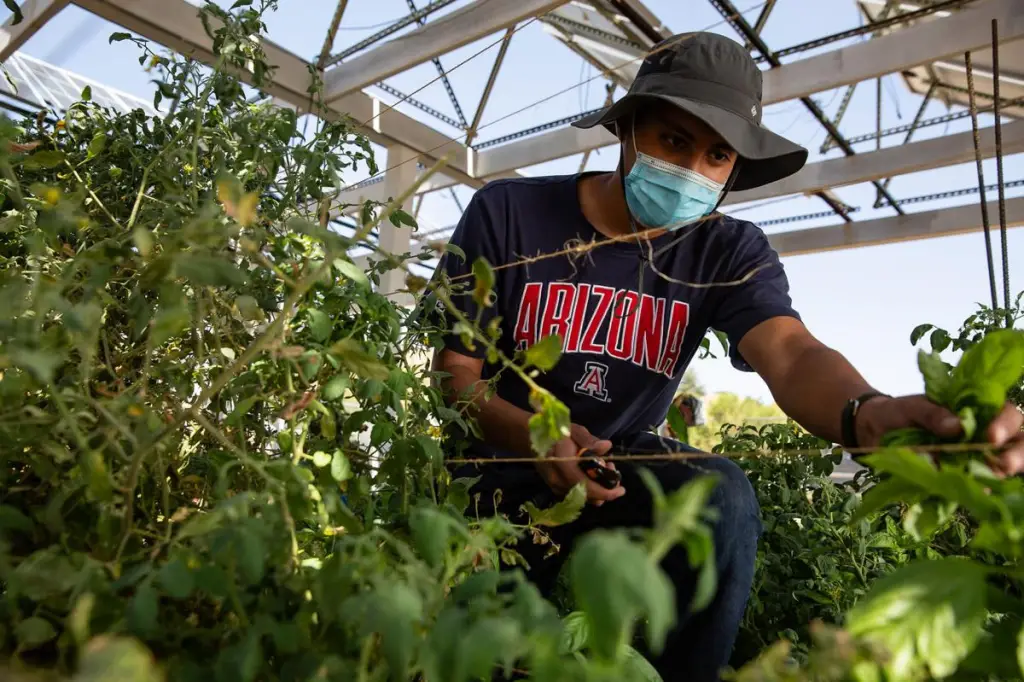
(631, 313)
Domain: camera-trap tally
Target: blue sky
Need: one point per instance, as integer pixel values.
(863, 302)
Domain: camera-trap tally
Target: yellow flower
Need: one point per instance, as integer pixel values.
(188, 168)
(61, 124)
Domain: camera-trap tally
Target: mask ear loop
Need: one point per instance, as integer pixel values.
(643, 256)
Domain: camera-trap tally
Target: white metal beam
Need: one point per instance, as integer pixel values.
(922, 43)
(35, 14)
(444, 34)
(927, 41)
(380, 191)
(176, 24)
(393, 239)
(936, 152)
(944, 222)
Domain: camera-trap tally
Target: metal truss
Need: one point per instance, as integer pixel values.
(910, 40)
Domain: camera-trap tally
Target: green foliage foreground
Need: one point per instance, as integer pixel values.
(219, 455)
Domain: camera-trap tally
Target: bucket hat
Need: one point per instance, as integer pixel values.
(715, 79)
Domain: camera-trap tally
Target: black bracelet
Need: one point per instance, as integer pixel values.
(849, 417)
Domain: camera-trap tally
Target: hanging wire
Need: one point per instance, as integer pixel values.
(999, 171)
(684, 456)
(981, 180)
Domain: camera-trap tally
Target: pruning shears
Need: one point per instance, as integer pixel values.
(594, 468)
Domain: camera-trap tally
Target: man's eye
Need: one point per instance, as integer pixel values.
(675, 141)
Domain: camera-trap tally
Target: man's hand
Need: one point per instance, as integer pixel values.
(880, 415)
(561, 471)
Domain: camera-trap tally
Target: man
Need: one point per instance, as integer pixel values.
(632, 311)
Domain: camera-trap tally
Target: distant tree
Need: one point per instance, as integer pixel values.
(728, 408)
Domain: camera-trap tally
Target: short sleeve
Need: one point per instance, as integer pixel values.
(477, 236)
(761, 294)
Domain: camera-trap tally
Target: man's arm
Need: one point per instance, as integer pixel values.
(503, 424)
(507, 428)
(810, 381)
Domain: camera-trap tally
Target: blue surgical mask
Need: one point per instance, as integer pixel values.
(663, 195)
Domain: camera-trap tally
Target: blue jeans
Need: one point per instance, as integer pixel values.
(701, 643)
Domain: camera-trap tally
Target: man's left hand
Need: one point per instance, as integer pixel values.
(880, 415)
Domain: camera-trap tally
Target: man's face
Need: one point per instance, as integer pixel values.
(666, 133)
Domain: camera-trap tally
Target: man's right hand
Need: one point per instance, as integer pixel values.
(561, 471)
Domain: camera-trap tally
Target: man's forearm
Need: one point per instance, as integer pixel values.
(503, 424)
(815, 388)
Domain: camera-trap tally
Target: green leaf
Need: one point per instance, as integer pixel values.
(77, 622)
(919, 332)
(885, 493)
(351, 271)
(209, 270)
(12, 518)
(565, 511)
(940, 340)
(96, 145)
(41, 364)
(118, 37)
(34, 631)
(399, 217)
(108, 657)
(48, 158)
(431, 529)
(431, 450)
(251, 553)
(616, 583)
(143, 239)
(1020, 649)
(988, 370)
(545, 353)
(328, 426)
(367, 366)
(176, 579)
(393, 611)
(928, 615)
(321, 459)
(143, 610)
(341, 469)
(680, 514)
(320, 325)
(575, 633)
(550, 424)
(455, 249)
(677, 423)
(335, 388)
(86, 95)
(483, 275)
(636, 668)
(458, 492)
(241, 409)
(937, 380)
(903, 463)
(169, 323)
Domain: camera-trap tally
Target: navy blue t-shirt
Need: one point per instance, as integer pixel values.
(628, 332)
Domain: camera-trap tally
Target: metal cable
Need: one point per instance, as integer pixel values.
(869, 28)
(397, 26)
(999, 170)
(981, 181)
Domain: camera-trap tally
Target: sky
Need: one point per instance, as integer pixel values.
(862, 302)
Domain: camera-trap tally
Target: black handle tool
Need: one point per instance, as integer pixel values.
(595, 469)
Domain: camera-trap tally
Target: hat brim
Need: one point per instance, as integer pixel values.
(766, 156)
